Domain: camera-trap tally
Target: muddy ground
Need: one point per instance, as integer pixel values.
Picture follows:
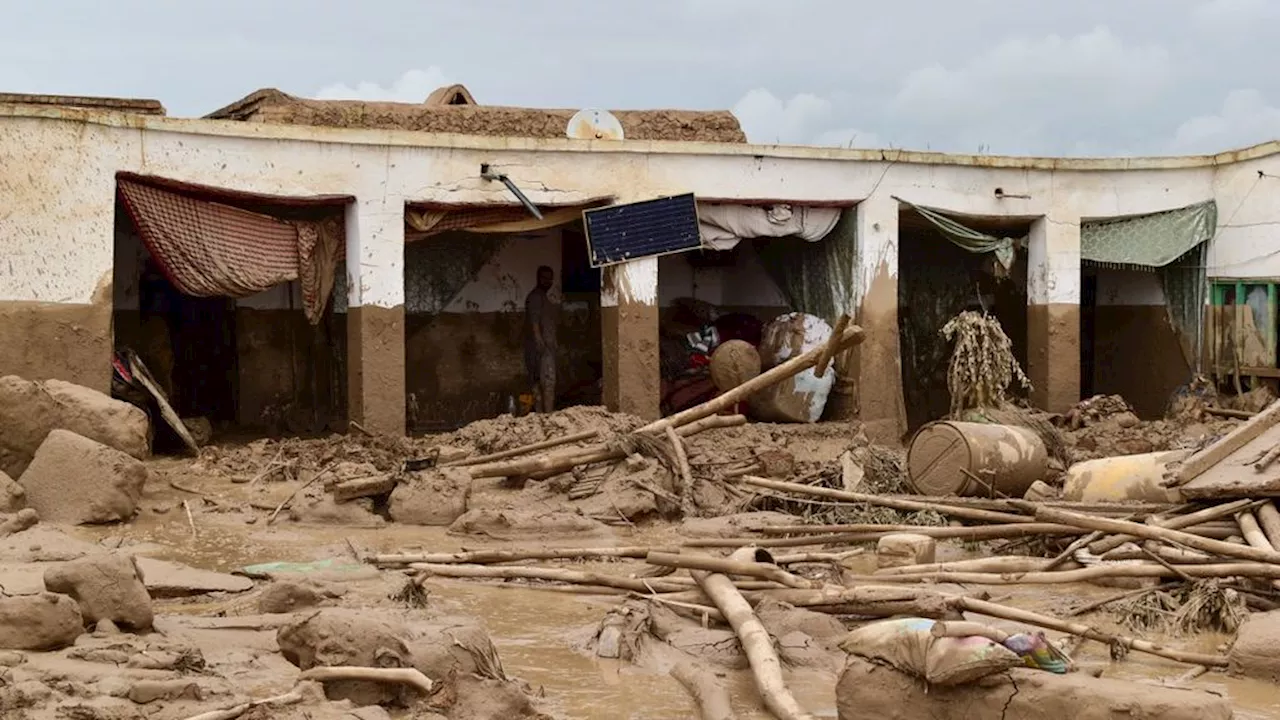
(540, 635)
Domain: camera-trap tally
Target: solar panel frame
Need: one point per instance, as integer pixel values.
(648, 228)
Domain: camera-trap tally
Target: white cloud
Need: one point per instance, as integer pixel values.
(412, 87)
(1235, 12)
(768, 119)
(1013, 76)
(1246, 118)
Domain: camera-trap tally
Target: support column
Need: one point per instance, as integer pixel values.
(1053, 313)
(375, 316)
(629, 312)
(879, 365)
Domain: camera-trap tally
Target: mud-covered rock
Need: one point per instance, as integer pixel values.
(526, 523)
(47, 621)
(1254, 652)
(319, 508)
(337, 637)
(79, 481)
(286, 597)
(107, 587)
(29, 411)
(433, 497)
(12, 497)
(867, 691)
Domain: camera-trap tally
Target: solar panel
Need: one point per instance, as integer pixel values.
(649, 228)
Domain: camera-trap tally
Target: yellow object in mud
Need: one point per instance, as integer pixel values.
(526, 403)
(1127, 478)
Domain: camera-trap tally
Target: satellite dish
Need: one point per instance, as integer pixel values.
(592, 124)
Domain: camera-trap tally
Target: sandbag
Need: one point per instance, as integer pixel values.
(908, 645)
(803, 397)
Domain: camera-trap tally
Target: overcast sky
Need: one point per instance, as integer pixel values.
(1042, 77)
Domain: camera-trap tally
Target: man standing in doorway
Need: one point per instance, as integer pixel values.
(541, 313)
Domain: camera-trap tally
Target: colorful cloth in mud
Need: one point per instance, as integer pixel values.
(908, 644)
(1037, 652)
(210, 249)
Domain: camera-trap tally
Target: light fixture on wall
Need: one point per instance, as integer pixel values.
(488, 173)
(1001, 195)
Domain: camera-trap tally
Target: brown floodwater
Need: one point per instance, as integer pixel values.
(538, 633)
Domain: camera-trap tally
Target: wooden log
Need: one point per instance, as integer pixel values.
(290, 698)
(404, 676)
(1253, 535)
(979, 532)
(1090, 508)
(1006, 564)
(575, 577)
(831, 349)
(525, 449)
(1177, 537)
(762, 570)
(1247, 432)
(554, 463)
(1229, 413)
(1269, 518)
(1267, 458)
(818, 557)
(363, 487)
(1088, 574)
(756, 642)
(1180, 522)
(852, 336)
(489, 557)
(865, 601)
(1177, 556)
(684, 474)
(709, 694)
(1003, 612)
(906, 505)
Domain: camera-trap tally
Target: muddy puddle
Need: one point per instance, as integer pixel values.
(538, 632)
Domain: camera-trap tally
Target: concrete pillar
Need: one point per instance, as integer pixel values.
(629, 313)
(879, 365)
(1053, 313)
(375, 316)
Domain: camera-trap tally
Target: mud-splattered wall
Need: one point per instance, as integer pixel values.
(1135, 350)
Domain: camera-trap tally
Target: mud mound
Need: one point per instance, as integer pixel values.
(1124, 435)
(507, 431)
(270, 459)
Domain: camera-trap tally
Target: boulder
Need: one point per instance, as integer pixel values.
(107, 587)
(79, 481)
(166, 579)
(286, 597)
(12, 497)
(868, 691)
(1254, 652)
(337, 637)
(903, 549)
(433, 497)
(46, 621)
(29, 411)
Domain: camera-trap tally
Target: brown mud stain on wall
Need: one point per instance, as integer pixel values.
(287, 365)
(72, 342)
(1137, 356)
(877, 360)
(462, 367)
(375, 368)
(632, 376)
(1053, 355)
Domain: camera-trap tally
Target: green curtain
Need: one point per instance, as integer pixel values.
(1173, 244)
(966, 238)
(816, 277)
(438, 268)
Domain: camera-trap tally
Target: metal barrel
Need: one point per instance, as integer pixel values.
(1127, 478)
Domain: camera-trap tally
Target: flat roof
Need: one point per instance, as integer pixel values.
(409, 138)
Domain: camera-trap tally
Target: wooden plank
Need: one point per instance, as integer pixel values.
(1231, 443)
(363, 487)
(1266, 372)
(1234, 476)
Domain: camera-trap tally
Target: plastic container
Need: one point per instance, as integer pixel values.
(1127, 478)
(975, 460)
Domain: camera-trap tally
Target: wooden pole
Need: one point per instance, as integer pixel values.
(507, 572)
(764, 571)
(852, 336)
(524, 449)
(687, 507)
(406, 676)
(1003, 612)
(829, 352)
(1096, 572)
(1179, 522)
(979, 532)
(488, 557)
(1269, 518)
(756, 642)
(1122, 527)
(709, 694)
(903, 504)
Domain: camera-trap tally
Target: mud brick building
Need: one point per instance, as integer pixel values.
(313, 262)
